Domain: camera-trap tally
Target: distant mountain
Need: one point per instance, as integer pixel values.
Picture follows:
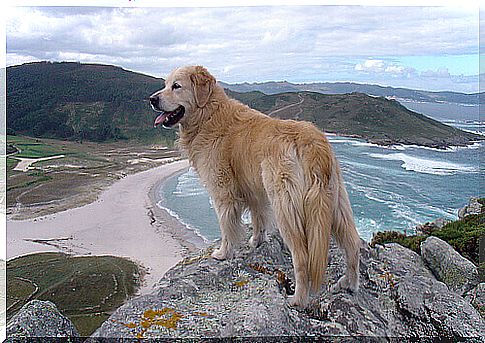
(375, 119)
(103, 102)
(81, 101)
(350, 87)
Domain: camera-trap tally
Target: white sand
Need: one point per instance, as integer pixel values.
(119, 223)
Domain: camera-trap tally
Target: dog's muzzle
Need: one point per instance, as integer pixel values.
(155, 103)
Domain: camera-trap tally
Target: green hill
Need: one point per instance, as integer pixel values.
(102, 102)
(375, 119)
(352, 87)
(81, 101)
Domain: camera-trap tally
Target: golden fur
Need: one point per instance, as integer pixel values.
(281, 169)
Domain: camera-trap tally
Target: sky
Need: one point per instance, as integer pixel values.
(432, 48)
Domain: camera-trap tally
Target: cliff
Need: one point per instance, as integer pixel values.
(247, 297)
(402, 295)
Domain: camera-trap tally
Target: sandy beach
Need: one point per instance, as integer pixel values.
(123, 221)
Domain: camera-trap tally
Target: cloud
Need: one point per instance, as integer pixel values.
(301, 43)
(376, 66)
(439, 73)
(393, 69)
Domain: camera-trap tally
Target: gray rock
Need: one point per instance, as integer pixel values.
(429, 227)
(473, 207)
(39, 319)
(460, 274)
(476, 297)
(247, 297)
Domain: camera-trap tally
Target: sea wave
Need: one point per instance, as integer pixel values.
(361, 143)
(367, 227)
(452, 148)
(426, 166)
(188, 185)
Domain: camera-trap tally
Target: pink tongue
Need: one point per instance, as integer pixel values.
(160, 118)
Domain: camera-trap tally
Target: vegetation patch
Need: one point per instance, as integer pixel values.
(463, 235)
(412, 242)
(35, 148)
(85, 289)
(11, 163)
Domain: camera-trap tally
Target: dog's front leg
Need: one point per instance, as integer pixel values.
(261, 220)
(232, 230)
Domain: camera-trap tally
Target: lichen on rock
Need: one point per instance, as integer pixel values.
(244, 297)
(458, 273)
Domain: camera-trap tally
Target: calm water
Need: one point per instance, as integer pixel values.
(389, 188)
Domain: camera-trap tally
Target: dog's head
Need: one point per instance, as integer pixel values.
(187, 89)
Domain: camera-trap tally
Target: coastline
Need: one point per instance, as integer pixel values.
(187, 238)
(124, 221)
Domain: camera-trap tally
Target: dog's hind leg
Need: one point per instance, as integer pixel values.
(232, 230)
(284, 187)
(348, 239)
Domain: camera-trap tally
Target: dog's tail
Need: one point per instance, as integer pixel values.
(319, 203)
(318, 221)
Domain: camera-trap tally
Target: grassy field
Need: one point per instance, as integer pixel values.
(11, 163)
(35, 148)
(75, 179)
(85, 289)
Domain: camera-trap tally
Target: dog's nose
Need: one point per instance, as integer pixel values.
(154, 101)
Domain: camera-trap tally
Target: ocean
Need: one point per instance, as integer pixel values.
(390, 188)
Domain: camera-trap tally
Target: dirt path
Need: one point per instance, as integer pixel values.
(25, 163)
(297, 116)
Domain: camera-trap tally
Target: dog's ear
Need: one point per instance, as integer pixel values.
(203, 83)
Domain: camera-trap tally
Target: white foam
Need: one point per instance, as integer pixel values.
(426, 166)
(362, 143)
(403, 211)
(367, 226)
(188, 185)
(452, 148)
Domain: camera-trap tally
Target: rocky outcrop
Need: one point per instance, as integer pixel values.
(39, 319)
(458, 273)
(474, 207)
(247, 297)
(429, 227)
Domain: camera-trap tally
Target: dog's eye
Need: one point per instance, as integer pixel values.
(176, 86)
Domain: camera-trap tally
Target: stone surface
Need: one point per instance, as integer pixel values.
(39, 319)
(247, 297)
(476, 297)
(473, 207)
(460, 274)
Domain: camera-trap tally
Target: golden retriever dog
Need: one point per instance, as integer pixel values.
(281, 170)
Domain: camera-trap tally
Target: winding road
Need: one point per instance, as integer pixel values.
(300, 110)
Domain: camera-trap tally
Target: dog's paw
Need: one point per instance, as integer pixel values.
(255, 241)
(344, 284)
(220, 254)
(298, 302)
